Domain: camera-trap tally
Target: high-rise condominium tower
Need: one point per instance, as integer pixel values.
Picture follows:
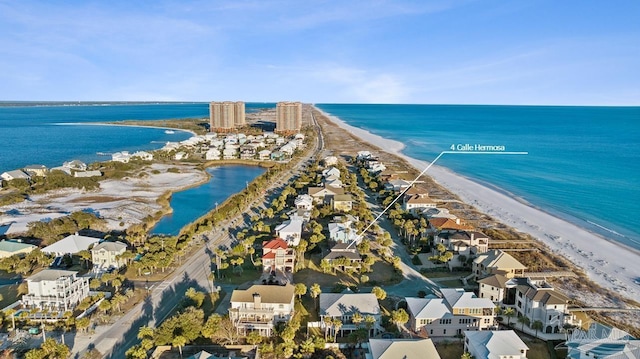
(288, 116)
(226, 115)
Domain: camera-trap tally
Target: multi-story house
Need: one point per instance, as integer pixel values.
(495, 344)
(106, 255)
(261, 307)
(322, 195)
(342, 202)
(450, 315)
(538, 301)
(276, 255)
(344, 255)
(497, 262)
(418, 203)
(58, 290)
(466, 243)
(343, 306)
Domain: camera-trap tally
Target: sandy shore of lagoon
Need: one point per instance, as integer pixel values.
(121, 202)
(609, 264)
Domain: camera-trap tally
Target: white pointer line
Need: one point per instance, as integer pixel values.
(423, 172)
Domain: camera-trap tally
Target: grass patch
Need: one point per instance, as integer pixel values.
(455, 283)
(451, 349)
(249, 273)
(10, 294)
(538, 350)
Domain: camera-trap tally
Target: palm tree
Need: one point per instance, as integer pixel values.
(537, 325)
(357, 318)
(524, 320)
(337, 324)
(466, 355)
(179, 341)
(315, 292)
(509, 313)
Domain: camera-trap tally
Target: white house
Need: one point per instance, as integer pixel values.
(331, 172)
(75, 165)
(290, 230)
(36, 170)
(277, 255)
(304, 201)
(450, 315)
(58, 290)
(229, 153)
(122, 156)
(418, 203)
(261, 307)
(15, 174)
(264, 155)
(463, 242)
(344, 305)
(70, 245)
(401, 348)
(495, 344)
(397, 185)
(342, 232)
(105, 255)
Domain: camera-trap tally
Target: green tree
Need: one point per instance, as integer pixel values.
(466, 355)
(379, 293)
(179, 341)
(524, 320)
(254, 338)
(509, 313)
(399, 317)
(300, 289)
(537, 325)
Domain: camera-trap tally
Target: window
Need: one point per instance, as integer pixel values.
(444, 331)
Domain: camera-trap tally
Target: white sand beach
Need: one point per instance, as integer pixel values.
(607, 263)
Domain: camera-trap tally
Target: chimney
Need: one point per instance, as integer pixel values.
(257, 301)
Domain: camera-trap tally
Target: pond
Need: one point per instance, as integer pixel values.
(191, 204)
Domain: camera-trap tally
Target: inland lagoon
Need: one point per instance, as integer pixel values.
(191, 204)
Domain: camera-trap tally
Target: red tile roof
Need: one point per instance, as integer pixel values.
(276, 243)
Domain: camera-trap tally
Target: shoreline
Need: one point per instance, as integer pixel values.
(123, 125)
(593, 253)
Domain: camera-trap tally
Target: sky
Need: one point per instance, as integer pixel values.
(539, 52)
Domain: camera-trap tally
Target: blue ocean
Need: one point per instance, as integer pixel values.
(583, 163)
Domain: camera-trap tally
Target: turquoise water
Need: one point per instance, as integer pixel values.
(583, 163)
(191, 204)
(52, 134)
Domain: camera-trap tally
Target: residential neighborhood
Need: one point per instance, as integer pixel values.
(321, 255)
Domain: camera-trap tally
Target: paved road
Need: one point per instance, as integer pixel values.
(115, 339)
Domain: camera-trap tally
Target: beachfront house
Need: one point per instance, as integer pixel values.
(212, 154)
(10, 248)
(71, 244)
(15, 174)
(107, 255)
(75, 165)
(36, 170)
(442, 224)
(531, 298)
(277, 256)
(57, 290)
(260, 307)
(264, 155)
(497, 262)
(400, 348)
(496, 344)
(343, 306)
(397, 185)
(123, 156)
(450, 315)
(467, 243)
(418, 203)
